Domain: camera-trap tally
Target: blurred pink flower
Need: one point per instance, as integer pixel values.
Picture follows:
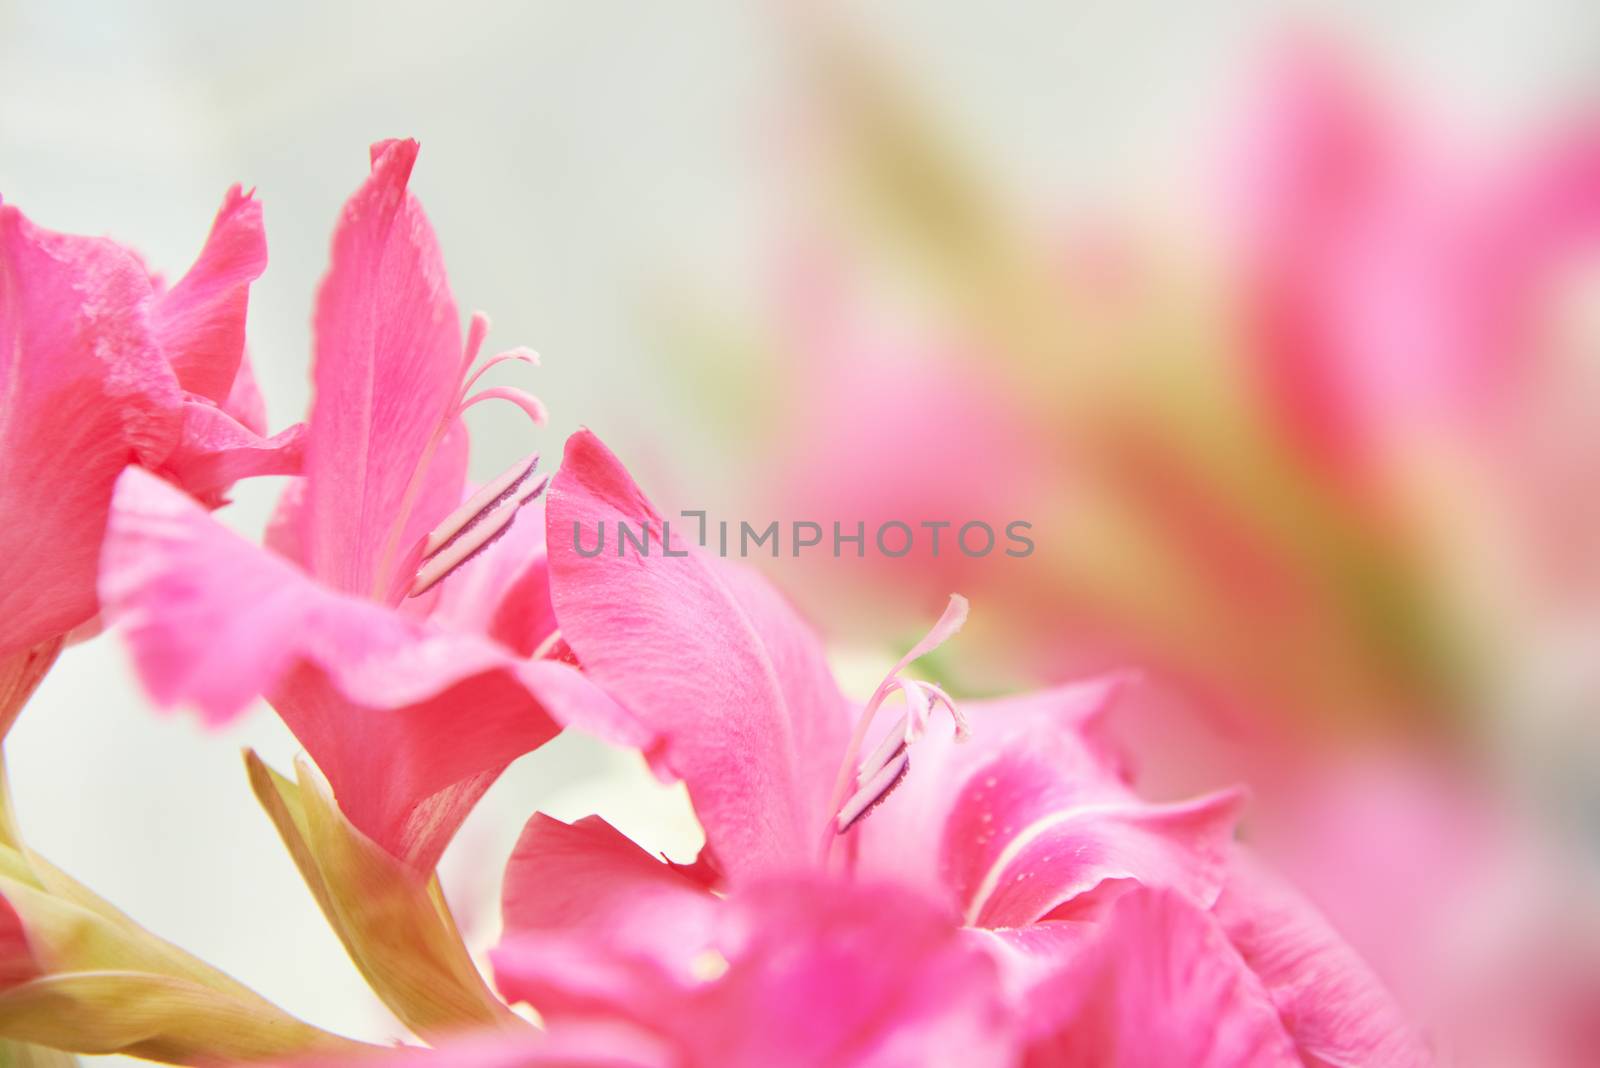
(105, 367)
(1394, 283)
(411, 708)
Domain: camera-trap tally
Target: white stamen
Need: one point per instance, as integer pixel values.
(881, 772)
(893, 742)
(872, 791)
(470, 528)
(462, 518)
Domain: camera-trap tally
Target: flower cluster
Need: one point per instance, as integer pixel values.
(954, 883)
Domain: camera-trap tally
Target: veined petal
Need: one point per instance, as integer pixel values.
(199, 322)
(216, 450)
(408, 721)
(1073, 850)
(427, 977)
(1028, 814)
(1161, 986)
(86, 392)
(708, 656)
(1333, 1006)
(387, 369)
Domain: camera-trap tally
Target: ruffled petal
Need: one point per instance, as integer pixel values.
(86, 393)
(199, 322)
(409, 722)
(1029, 814)
(1161, 986)
(732, 683)
(216, 450)
(1334, 1007)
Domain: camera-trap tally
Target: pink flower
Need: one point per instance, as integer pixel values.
(1396, 283)
(105, 367)
(410, 708)
(795, 971)
(740, 704)
(1025, 833)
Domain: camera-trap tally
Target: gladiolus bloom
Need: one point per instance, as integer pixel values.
(106, 367)
(411, 708)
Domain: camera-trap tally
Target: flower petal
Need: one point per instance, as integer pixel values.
(715, 662)
(216, 451)
(387, 371)
(795, 971)
(1332, 1004)
(409, 722)
(585, 874)
(1029, 813)
(1160, 987)
(426, 978)
(199, 322)
(87, 392)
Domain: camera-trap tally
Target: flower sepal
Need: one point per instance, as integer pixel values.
(393, 920)
(77, 975)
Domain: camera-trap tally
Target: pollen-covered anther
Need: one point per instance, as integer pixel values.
(471, 528)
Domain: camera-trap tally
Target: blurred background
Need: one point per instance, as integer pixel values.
(1280, 324)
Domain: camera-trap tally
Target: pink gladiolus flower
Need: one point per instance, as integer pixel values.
(106, 367)
(1025, 833)
(410, 707)
(741, 705)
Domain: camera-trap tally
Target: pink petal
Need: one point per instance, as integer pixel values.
(87, 392)
(1029, 814)
(1072, 850)
(244, 401)
(733, 684)
(387, 370)
(586, 875)
(808, 972)
(199, 322)
(1396, 285)
(1332, 1004)
(409, 722)
(1160, 987)
(216, 451)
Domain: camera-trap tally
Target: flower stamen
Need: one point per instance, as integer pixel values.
(881, 772)
(470, 529)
